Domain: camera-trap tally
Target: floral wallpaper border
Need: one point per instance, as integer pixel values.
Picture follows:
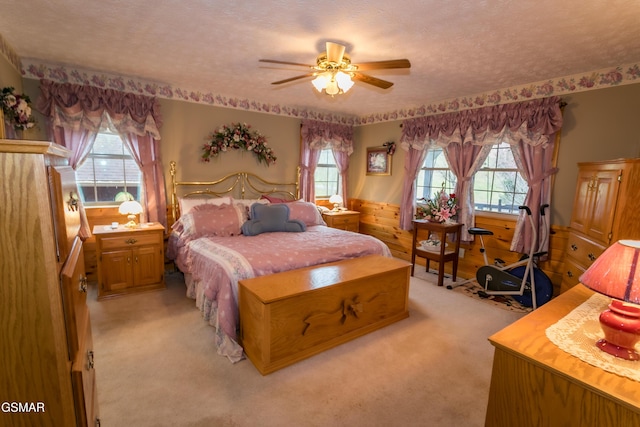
(620, 75)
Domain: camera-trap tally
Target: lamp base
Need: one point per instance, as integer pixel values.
(621, 327)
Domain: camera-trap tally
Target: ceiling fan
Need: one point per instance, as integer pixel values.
(334, 73)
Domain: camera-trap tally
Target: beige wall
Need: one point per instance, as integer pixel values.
(598, 125)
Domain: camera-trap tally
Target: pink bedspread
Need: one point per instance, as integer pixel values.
(216, 264)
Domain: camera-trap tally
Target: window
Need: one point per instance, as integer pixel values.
(326, 177)
(109, 175)
(498, 186)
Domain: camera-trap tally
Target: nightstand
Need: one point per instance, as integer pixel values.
(344, 220)
(129, 259)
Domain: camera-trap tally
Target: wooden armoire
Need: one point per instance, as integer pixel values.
(47, 375)
(606, 209)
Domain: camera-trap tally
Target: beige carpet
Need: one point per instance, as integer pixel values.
(156, 365)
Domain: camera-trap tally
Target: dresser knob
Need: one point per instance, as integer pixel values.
(574, 247)
(592, 257)
(130, 241)
(570, 274)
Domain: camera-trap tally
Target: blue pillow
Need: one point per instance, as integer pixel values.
(270, 218)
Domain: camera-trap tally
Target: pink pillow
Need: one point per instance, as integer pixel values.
(272, 199)
(212, 220)
(305, 212)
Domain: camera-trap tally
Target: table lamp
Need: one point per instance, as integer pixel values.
(616, 273)
(336, 199)
(131, 208)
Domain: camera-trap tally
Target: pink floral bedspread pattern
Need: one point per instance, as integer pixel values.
(218, 263)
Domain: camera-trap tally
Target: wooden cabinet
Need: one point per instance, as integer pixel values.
(344, 220)
(129, 259)
(535, 383)
(44, 320)
(605, 210)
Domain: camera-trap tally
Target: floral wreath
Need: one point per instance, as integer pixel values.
(238, 136)
(17, 109)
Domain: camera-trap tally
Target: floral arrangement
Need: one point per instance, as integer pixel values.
(17, 109)
(441, 208)
(238, 136)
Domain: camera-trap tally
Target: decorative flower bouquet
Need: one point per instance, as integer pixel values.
(238, 136)
(439, 209)
(16, 109)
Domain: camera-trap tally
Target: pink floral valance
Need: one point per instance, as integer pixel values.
(530, 121)
(321, 135)
(76, 106)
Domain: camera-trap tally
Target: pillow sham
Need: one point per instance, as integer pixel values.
(273, 199)
(208, 220)
(188, 203)
(270, 218)
(245, 205)
(306, 212)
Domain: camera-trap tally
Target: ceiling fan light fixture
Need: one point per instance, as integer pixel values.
(321, 81)
(344, 81)
(332, 88)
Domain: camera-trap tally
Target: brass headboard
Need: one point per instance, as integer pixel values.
(242, 185)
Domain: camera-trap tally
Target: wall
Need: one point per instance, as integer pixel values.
(598, 125)
(187, 125)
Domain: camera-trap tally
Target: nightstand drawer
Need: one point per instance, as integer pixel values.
(131, 240)
(347, 220)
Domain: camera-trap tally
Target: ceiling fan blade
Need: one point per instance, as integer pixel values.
(273, 61)
(335, 52)
(379, 65)
(372, 81)
(292, 79)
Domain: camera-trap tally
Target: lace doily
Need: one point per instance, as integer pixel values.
(577, 332)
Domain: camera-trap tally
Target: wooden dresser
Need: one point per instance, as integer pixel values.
(46, 369)
(535, 383)
(129, 259)
(344, 220)
(605, 209)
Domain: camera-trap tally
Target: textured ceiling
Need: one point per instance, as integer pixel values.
(456, 48)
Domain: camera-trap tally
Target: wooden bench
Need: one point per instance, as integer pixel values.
(290, 316)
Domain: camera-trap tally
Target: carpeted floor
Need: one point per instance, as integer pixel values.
(471, 289)
(156, 365)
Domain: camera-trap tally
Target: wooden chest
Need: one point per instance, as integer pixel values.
(289, 316)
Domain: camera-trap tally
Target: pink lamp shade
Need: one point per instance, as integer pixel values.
(616, 273)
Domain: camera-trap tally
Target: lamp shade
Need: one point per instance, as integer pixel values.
(336, 199)
(616, 272)
(130, 207)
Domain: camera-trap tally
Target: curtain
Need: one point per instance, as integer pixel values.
(465, 160)
(318, 136)
(412, 164)
(76, 113)
(526, 124)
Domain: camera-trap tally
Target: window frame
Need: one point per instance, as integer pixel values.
(126, 184)
(450, 183)
(326, 166)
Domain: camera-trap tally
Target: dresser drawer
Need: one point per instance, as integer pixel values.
(583, 250)
(349, 221)
(570, 275)
(131, 240)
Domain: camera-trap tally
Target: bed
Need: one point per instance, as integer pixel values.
(239, 227)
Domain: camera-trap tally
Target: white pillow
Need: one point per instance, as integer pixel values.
(245, 204)
(188, 203)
